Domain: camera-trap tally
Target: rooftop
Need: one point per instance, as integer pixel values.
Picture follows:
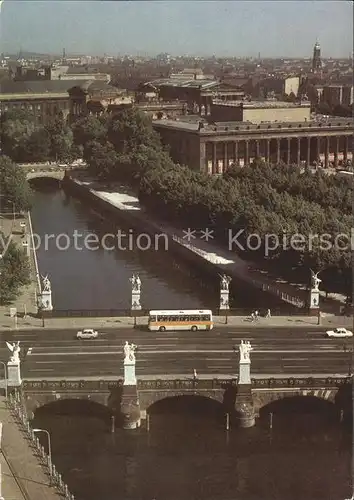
(262, 104)
(192, 124)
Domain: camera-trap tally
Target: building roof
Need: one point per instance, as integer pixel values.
(263, 104)
(39, 87)
(192, 125)
(185, 83)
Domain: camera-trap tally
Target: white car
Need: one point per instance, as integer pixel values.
(88, 333)
(339, 332)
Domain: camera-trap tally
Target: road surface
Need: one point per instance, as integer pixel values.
(277, 351)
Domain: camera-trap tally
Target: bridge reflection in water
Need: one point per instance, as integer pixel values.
(188, 454)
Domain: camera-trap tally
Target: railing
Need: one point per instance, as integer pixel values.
(116, 313)
(17, 409)
(183, 384)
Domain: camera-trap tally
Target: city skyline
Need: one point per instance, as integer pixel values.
(199, 28)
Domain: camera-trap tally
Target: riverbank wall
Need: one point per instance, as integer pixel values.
(140, 222)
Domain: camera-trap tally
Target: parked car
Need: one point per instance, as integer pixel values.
(88, 333)
(339, 333)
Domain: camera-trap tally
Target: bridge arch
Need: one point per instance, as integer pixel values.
(302, 402)
(155, 401)
(96, 403)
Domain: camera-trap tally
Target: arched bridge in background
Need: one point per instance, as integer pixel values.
(265, 391)
(48, 171)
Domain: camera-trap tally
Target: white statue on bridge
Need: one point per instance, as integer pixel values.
(136, 283)
(46, 284)
(15, 349)
(129, 352)
(224, 281)
(315, 281)
(245, 349)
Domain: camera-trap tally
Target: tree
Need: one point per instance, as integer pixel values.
(16, 129)
(131, 128)
(61, 140)
(38, 146)
(88, 129)
(14, 271)
(15, 190)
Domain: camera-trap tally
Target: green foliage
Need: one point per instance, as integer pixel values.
(15, 190)
(16, 129)
(14, 269)
(264, 200)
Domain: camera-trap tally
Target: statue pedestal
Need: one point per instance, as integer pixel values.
(136, 306)
(13, 374)
(244, 373)
(45, 301)
(244, 410)
(130, 407)
(224, 299)
(129, 374)
(314, 301)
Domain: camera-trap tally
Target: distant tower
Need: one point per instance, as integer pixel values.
(316, 60)
(64, 55)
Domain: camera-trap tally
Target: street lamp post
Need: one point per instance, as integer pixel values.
(5, 377)
(49, 448)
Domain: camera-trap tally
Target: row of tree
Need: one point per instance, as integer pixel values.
(23, 140)
(15, 196)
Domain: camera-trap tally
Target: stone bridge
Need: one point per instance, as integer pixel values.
(47, 171)
(334, 390)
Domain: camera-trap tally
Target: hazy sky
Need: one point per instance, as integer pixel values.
(197, 27)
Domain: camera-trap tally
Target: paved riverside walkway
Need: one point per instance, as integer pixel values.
(32, 323)
(225, 260)
(23, 476)
(26, 300)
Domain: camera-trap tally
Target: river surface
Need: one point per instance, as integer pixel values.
(187, 453)
(98, 279)
(90, 277)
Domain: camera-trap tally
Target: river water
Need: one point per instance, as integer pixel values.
(96, 278)
(187, 454)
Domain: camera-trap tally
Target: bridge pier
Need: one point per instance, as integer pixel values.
(130, 405)
(244, 409)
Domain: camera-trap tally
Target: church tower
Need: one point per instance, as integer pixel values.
(316, 60)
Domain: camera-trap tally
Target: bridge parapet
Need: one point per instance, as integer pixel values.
(33, 385)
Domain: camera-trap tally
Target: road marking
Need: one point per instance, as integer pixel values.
(42, 370)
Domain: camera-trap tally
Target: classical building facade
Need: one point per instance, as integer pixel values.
(44, 99)
(214, 147)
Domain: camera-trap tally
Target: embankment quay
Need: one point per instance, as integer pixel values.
(24, 463)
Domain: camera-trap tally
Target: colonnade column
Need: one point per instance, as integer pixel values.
(308, 159)
(298, 160)
(336, 150)
(326, 152)
(268, 150)
(345, 151)
(257, 149)
(318, 149)
(226, 160)
(288, 150)
(202, 158)
(278, 150)
(247, 156)
(236, 152)
(214, 168)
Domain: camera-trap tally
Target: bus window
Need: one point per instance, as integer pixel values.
(152, 318)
